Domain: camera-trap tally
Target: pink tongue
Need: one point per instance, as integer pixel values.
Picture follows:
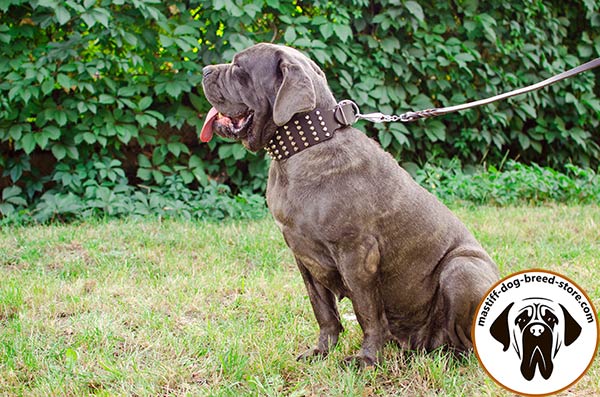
(207, 133)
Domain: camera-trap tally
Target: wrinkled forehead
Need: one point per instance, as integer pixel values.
(265, 53)
(253, 62)
(255, 54)
(533, 307)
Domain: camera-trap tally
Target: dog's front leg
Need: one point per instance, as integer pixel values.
(325, 308)
(359, 268)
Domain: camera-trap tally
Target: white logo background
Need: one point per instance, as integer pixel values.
(570, 362)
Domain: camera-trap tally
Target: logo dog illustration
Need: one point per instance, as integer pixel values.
(537, 327)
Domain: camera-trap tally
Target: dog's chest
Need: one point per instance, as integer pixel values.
(312, 246)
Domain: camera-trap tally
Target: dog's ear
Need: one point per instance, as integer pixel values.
(499, 328)
(572, 327)
(296, 93)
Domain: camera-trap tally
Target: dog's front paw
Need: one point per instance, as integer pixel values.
(362, 361)
(311, 354)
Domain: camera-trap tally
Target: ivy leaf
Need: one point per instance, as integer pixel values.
(12, 194)
(166, 41)
(158, 176)
(89, 137)
(143, 161)
(529, 109)
(175, 148)
(175, 88)
(144, 120)
(487, 22)
(252, 9)
(400, 132)
(52, 131)
(126, 132)
(182, 30)
(436, 131)
(14, 91)
(390, 44)
(290, 35)
(41, 139)
(15, 131)
(585, 51)
(26, 95)
(59, 151)
(28, 142)
(62, 15)
(197, 102)
(144, 174)
(464, 57)
(344, 32)
(89, 19)
(60, 117)
(415, 9)
(341, 56)
(385, 138)
(126, 91)
(5, 208)
(72, 152)
(326, 30)
(524, 141)
(145, 102)
(239, 152)
(225, 151)
(106, 99)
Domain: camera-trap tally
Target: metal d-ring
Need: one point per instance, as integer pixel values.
(346, 112)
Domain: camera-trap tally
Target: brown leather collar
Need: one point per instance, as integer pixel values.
(305, 130)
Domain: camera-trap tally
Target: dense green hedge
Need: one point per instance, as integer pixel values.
(100, 100)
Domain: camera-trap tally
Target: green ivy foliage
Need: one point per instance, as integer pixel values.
(102, 99)
(395, 56)
(510, 183)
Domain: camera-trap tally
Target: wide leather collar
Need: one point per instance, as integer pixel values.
(305, 130)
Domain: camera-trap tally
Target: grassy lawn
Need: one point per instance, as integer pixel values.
(177, 308)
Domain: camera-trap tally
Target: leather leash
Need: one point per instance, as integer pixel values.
(309, 129)
(423, 114)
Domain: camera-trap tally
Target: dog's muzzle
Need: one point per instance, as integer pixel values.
(537, 350)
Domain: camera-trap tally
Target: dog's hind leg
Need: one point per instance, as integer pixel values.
(462, 284)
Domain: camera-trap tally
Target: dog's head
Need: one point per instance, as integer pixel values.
(537, 329)
(261, 89)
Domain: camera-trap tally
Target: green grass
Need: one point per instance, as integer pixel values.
(176, 308)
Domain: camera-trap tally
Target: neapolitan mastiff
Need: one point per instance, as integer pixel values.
(536, 328)
(358, 225)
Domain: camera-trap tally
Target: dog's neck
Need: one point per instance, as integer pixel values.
(305, 130)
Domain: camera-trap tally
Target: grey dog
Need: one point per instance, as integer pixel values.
(358, 225)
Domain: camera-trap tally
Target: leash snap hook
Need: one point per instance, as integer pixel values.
(347, 113)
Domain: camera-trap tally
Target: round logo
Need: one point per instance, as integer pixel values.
(535, 332)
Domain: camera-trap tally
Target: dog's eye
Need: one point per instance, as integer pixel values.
(241, 75)
(523, 319)
(550, 318)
